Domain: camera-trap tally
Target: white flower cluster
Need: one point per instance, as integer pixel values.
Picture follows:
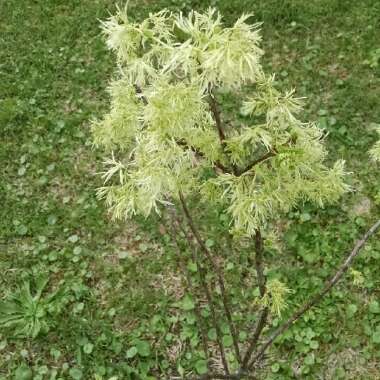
(170, 136)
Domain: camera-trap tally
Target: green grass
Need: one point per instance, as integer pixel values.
(117, 312)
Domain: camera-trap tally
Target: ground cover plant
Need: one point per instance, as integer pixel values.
(117, 313)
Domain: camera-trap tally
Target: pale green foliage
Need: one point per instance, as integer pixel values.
(120, 125)
(375, 151)
(228, 56)
(357, 277)
(275, 297)
(164, 131)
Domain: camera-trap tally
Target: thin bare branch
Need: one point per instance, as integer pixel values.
(190, 286)
(216, 114)
(259, 247)
(202, 276)
(272, 153)
(200, 154)
(256, 162)
(317, 297)
(219, 274)
(261, 279)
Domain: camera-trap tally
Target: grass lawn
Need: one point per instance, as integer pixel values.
(111, 302)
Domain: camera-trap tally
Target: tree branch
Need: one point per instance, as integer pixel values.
(202, 276)
(218, 272)
(261, 278)
(259, 263)
(183, 143)
(218, 122)
(140, 94)
(198, 153)
(269, 154)
(191, 288)
(256, 162)
(319, 296)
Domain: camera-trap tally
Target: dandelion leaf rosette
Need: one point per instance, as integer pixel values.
(163, 136)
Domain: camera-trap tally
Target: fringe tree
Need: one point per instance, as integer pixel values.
(172, 146)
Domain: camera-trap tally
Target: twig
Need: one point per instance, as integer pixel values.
(198, 153)
(191, 288)
(215, 265)
(183, 143)
(319, 296)
(140, 94)
(259, 263)
(271, 153)
(261, 278)
(256, 162)
(202, 276)
(218, 122)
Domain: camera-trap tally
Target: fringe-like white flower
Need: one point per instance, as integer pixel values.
(162, 129)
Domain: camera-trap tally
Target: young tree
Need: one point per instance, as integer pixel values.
(174, 146)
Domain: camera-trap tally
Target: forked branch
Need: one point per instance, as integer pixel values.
(189, 284)
(256, 162)
(218, 271)
(319, 296)
(261, 279)
(314, 300)
(207, 293)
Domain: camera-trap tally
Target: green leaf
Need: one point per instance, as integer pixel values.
(52, 219)
(314, 344)
(192, 266)
(56, 354)
(76, 373)
(73, 238)
(310, 359)
(187, 304)
(212, 334)
(243, 336)
(132, 352)
(376, 337)
(374, 307)
(230, 266)
(275, 367)
(123, 255)
(351, 310)
(201, 367)
(143, 348)
(87, 348)
(21, 230)
(227, 340)
(210, 243)
(23, 372)
(77, 250)
(180, 370)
